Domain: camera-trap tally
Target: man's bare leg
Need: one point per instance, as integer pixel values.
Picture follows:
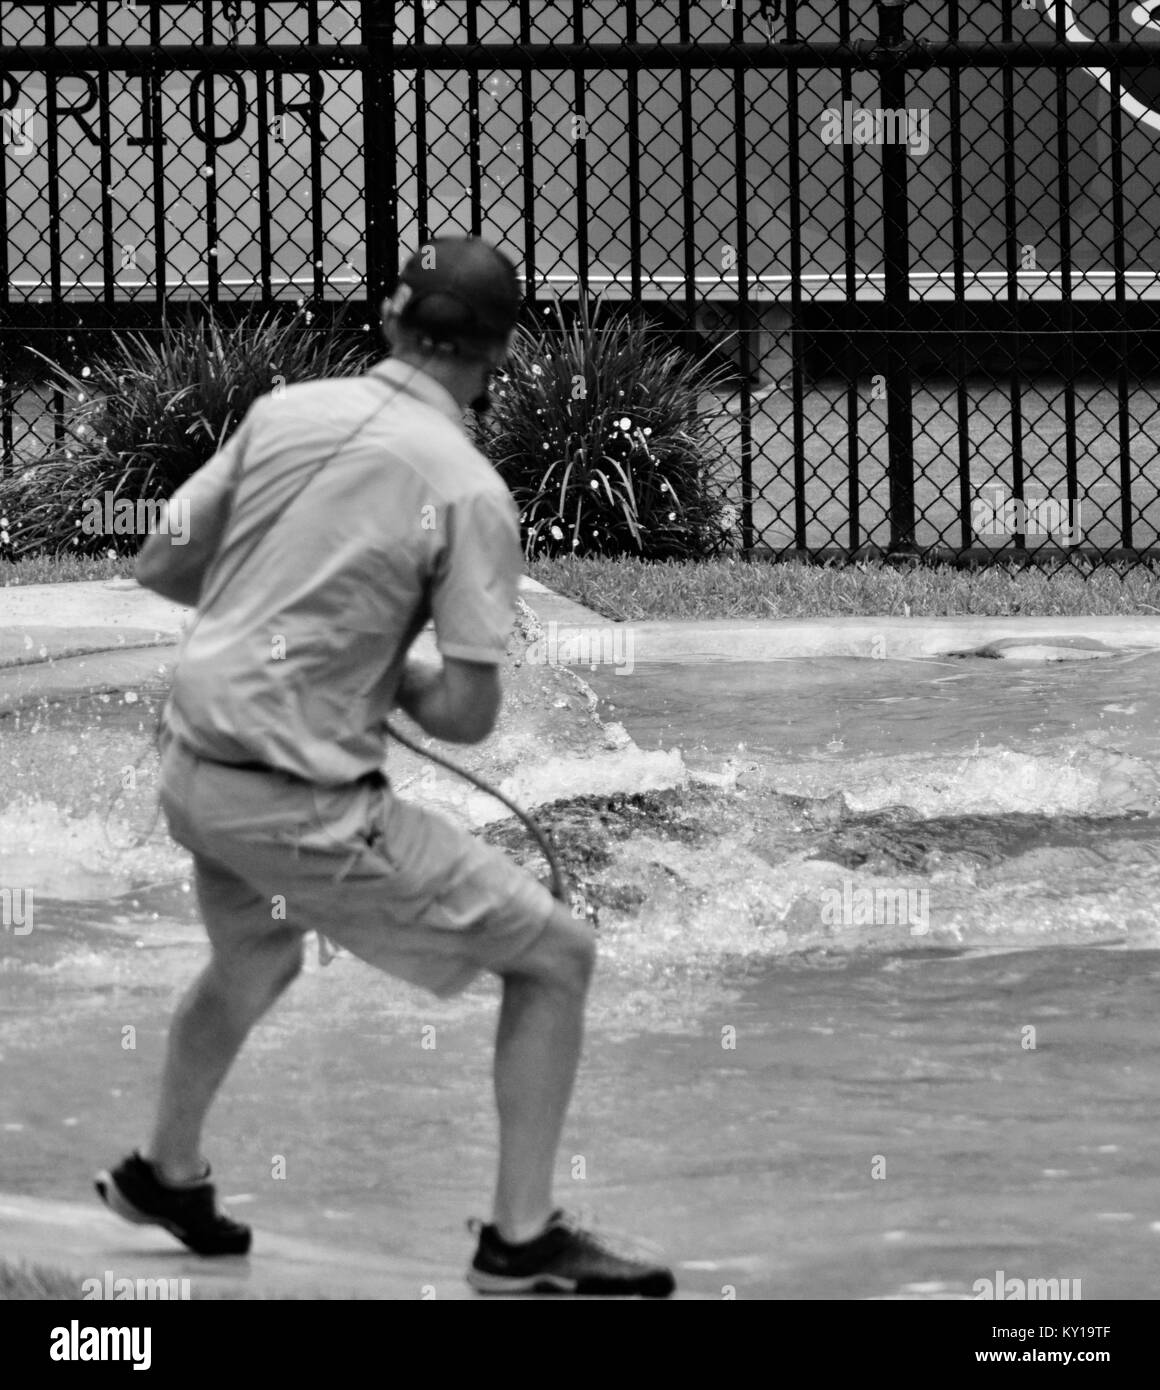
(537, 1051)
(210, 1026)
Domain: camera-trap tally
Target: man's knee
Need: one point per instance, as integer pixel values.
(563, 955)
(261, 970)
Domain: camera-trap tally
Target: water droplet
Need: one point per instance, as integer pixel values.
(498, 85)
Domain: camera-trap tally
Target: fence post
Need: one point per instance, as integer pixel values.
(896, 289)
(380, 164)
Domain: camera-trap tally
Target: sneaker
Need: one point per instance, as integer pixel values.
(563, 1258)
(133, 1191)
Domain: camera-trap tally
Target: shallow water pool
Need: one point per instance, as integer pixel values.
(874, 1126)
(854, 707)
(793, 1110)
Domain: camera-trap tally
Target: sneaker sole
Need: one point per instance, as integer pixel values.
(482, 1282)
(648, 1286)
(119, 1204)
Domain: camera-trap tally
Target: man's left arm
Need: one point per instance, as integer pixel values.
(174, 561)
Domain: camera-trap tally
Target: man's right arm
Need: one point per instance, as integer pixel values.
(473, 598)
(457, 702)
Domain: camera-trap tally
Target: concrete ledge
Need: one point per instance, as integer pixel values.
(104, 603)
(71, 619)
(775, 639)
(551, 607)
(48, 622)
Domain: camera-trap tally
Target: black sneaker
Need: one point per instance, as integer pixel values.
(563, 1258)
(133, 1191)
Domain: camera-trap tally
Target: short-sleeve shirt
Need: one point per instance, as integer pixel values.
(320, 584)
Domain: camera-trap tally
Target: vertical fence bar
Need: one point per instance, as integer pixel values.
(105, 135)
(379, 154)
(531, 208)
(744, 311)
(793, 148)
(7, 405)
(265, 218)
(635, 234)
(7, 396)
(850, 259)
(959, 313)
(419, 91)
(316, 85)
(896, 280)
(580, 127)
(1067, 306)
(52, 147)
(688, 178)
(1011, 233)
(209, 169)
(156, 136)
(1119, 262)
(474, 130)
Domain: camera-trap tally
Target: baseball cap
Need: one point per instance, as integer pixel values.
(458, 289)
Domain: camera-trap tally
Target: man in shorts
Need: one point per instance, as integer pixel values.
(337, 520)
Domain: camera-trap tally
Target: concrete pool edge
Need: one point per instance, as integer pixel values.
(42, 623)
(882, 638)
(71, 616)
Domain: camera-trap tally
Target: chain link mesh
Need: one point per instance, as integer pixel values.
(936, 280)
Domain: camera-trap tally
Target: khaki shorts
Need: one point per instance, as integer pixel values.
(397, 885)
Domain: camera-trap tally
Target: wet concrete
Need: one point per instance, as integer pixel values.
(793, 1102)
(828, 1127)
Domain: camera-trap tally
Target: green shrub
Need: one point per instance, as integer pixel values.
(599, 434)
(149, 413)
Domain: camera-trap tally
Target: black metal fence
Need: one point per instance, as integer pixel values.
(928, 234)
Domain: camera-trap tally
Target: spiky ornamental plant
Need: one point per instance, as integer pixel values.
(148, 414)
(599, 434)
